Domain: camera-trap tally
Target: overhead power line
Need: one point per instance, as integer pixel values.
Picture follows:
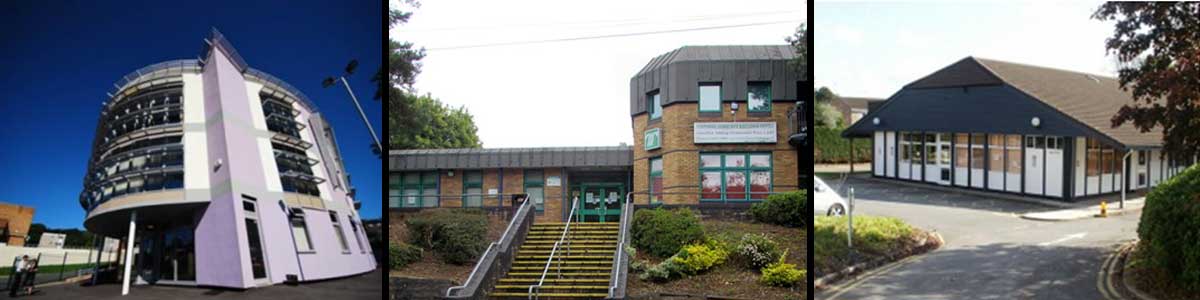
(616, 35)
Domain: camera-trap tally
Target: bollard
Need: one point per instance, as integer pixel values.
(1103, 209)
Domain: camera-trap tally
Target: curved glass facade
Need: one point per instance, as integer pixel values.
(138, 146)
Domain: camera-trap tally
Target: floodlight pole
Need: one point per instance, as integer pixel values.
(361, 113)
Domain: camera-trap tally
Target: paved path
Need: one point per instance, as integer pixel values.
(990, 252)
(365, 286)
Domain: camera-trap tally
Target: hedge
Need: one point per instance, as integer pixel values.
(1170, 228)
(662, 232)
(457, 235)
(832, 148)
(781, 209)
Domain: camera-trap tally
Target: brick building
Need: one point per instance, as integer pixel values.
(14, 223)
(714, 126)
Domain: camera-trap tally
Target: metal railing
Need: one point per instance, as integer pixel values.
(534, 289)
(617, 277)
(494, 250)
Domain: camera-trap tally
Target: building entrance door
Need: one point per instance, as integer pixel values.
(599, 202)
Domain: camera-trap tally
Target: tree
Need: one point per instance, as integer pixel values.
(1158, 47)
(799, 41)
(826, 115)
(419, 122)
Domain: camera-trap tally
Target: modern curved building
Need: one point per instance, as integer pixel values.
(221, 175)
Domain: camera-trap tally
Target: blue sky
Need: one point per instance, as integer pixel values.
(873, 49)
(57, 62)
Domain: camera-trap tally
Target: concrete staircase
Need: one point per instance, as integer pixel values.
(580, 269)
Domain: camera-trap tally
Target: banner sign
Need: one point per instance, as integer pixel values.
(653, 139)
(733, 132)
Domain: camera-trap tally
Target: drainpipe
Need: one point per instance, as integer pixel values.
(1124, 177)
(129, 253)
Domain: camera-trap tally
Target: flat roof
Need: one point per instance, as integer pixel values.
(481, 158)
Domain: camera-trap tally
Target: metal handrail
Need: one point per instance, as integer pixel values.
(546, 269)
(626, 208)
(507, 232)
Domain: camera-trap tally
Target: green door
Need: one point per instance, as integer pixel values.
(600, 202)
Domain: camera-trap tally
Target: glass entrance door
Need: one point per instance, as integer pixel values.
(600, 202)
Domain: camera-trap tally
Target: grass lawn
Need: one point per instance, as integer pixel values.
(51, 269)
(873, 237)
(730, 279)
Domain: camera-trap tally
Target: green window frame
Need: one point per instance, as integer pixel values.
(654, 105)
(758, 92)
(656, 173)
(707, 88)
(536, 180)
(721, 172)
(472, 189)
(414, 190)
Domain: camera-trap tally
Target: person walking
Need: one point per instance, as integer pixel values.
(18, 271)
(31, 270)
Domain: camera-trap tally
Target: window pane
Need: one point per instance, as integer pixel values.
(655, 106)
(960, 150)
(710, 185)
(474, 177)
(759, 96)
(1093, 159)
(412, 178)
(735, 185)
(429, 178)
(760, 185)
(710, 161)
(474, 197)
(656, 187)
(1013, 148)
(536, 195)
(533, 176)
(996, 151)
(301, 233)
(410, 198)
(431, 197)
(656, 165)
(760, 160)
(710, 98)
(735, 161)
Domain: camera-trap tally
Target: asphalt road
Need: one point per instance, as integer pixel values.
(990, 253)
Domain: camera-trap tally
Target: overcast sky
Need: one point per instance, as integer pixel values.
(573, 93)
(873, 49)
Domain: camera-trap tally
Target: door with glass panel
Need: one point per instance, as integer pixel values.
(600, 202)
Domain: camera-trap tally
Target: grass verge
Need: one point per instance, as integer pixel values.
(874, 237)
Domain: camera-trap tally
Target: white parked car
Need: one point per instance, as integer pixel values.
(826, 201)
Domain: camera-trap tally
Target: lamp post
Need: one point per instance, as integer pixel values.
(329, 81)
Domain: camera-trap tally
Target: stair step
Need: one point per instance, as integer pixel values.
(542, 262)
(569, 237)
(550, 246)
(539, 274)
(553, 267)
(543, 257)
(614, 242)
(563, 295)
(535, 280)
(545, 252)
(556, 287)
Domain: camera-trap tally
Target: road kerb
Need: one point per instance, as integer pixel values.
(1137, 293)
(856, 278)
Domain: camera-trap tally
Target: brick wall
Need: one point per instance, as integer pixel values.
(451, 188)
(681, 156)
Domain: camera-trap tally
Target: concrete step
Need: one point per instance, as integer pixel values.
(562, 268)
(549, 280)
(542, 262)
(561, 295)
(555, 287)
(571, 256)
(556, 274)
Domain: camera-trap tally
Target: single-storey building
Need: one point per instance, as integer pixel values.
(715, 126)
(854, 108)
(1013, 128)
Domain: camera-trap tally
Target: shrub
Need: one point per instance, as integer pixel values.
(781, 209)
(662, 232)
(1169, 228)
(781, 274)
(696, 258)
(457, 235)
(756, 251)
(831, 147)
(403, 254)
(660, 272)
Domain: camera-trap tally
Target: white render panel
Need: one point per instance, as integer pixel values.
(1093, 185)
(195, 157)
(1106, 182)
(1054, 172)
(314, 152)
(266, 155)
(995, 180)
(960, 176)
(891, 154)
(1012, 181)
(256, 112)
(905, 170)
(977, 178)
(1080, 167)
(1155, 167)
(878, 160)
